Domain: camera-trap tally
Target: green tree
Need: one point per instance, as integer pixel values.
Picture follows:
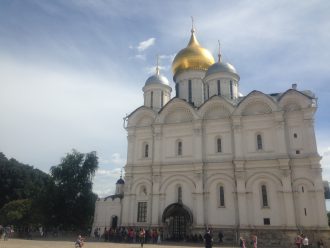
(16, 212)
(73, 197)
(23, 182)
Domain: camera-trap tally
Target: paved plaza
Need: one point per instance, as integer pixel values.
(21, 243)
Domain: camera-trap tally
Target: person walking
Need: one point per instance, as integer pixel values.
(208, 239)
(320, 244)
(220, 235)
(298, 241)
(242, 242)
(142, 236)
(255, 241)
(305, 242)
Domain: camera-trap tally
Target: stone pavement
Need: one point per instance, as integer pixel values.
(21, 243)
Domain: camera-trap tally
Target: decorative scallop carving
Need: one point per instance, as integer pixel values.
(291, 106)
(256, 108)
(178, 116)
(216, 112)
(144, 121)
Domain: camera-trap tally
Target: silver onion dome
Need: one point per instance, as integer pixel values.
(221, 67)
(157, 79)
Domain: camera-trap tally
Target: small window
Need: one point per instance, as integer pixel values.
(146, 151)
(179, 148)
(295, 135)
(302, 189)
(222, 196)
(264, 196)
(259, 142)
(297, 152)
(219, 148)
(219, 89)
(305, 211)
(180, 194)
(231, 89)
(266, 221)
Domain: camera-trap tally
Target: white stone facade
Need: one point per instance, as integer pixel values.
(221, 161)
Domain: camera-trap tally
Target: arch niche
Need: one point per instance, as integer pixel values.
(177, 220)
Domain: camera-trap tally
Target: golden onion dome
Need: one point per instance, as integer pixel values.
(192, 57)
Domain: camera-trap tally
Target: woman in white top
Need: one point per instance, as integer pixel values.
(305, 242)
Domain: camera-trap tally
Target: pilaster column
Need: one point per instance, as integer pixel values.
(309, 135)
(280, 134)
(126, 201)
(131, 214)
(130, 145)
(237, 137)
(241, 193)
(199, 200)
(198, 143)
(157, 145)
(288, 204)
(155, 200)
(319, 205)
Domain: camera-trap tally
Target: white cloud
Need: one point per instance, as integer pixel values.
(169, 57)
(117, 160)
(140, 56)
(143, 45)
(326, 153)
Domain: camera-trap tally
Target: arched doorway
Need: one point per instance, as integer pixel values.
(177, 219)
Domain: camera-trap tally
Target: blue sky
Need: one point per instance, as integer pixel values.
(70, 70)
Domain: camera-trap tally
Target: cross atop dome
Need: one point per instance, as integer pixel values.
(192, 25)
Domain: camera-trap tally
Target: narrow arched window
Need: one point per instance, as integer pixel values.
(231, 90)
(259, 142)
(221, 197)
(218, 87)
(189, 91)
(219, 147)
(152, 99)
(179, 148)
(180, 194)
(162, 100)
(177, 90)
(146, 151)
(264, 196)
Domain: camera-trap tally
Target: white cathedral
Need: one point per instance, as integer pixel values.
(211, 158)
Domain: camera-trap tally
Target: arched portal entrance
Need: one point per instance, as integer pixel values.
(177, 220)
